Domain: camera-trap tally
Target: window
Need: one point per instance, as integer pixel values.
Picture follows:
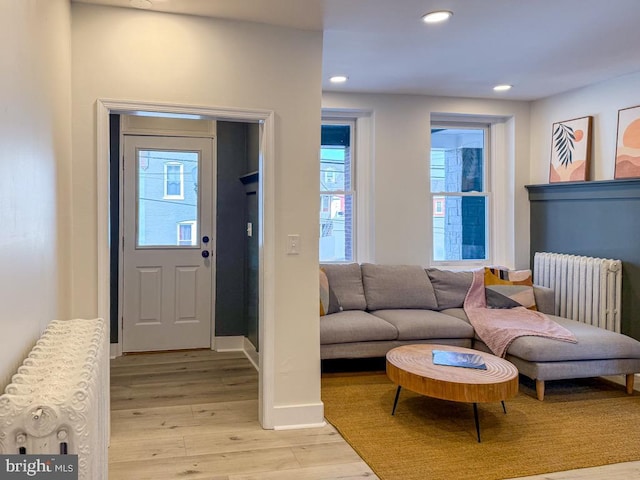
(174, 181)
(326, 204)
(459, 192)
(187, 233)
(336, 191)
(329, 177)
(438, 206)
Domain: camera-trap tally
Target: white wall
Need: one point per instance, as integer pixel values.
(125, 54)
(602, 101)
(35, 132)
(400, 200)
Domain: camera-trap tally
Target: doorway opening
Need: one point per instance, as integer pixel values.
(261, 198)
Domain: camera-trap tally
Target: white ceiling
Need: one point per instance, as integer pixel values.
(541, 47)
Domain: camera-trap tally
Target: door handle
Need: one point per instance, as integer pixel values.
(205, 254)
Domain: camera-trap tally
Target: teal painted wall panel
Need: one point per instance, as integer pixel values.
(596, 219)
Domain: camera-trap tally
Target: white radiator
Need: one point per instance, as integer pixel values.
(586, 289)
(58, 402)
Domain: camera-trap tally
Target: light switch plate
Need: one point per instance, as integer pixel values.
(293, 244)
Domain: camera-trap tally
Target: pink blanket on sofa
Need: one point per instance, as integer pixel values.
(498, 328)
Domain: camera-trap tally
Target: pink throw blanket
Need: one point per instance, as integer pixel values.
(498, 328)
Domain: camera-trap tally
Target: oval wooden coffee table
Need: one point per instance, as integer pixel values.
(411, 366)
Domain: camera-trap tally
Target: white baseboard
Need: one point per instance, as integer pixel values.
(292, 417)
(221, 344)
(115, 350)
(238, 344)
(251, 353)
(228, 344)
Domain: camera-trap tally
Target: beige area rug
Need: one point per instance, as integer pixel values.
(581, 423)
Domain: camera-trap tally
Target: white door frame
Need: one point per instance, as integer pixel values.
(266, 234)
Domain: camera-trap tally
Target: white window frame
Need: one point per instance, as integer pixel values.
(469, 123)
(194, 232)
(351, 122)
(166, 166)
(438, 206)
(362, 184)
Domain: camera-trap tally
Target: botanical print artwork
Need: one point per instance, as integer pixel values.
(570, 150)
(628, 144)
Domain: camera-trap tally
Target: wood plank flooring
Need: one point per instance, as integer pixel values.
(194, 415)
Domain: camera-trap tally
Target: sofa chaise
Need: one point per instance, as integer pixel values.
(380, 307)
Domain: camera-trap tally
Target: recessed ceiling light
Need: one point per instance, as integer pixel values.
(338, 79)
(141, 4)
(437, 17)
(502, 88)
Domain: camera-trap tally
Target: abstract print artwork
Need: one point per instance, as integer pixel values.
(570, 150)
(628, 143)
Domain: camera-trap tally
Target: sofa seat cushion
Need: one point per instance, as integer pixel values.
(593, 344)
(397, 286)
(354, 326)
(456, 312)
(425, 324)
(346, 282)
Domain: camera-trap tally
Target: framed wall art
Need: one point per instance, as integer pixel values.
(628, 143)
(570, 150)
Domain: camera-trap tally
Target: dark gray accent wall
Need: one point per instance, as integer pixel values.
(253, 147)
(236, 154)
(597, 219)
(114, 223)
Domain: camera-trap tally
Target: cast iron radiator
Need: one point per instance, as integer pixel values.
(587, 289)
(58, 401)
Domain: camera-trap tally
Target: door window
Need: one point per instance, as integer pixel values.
(167, 197)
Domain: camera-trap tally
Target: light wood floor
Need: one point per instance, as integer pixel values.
(194, 415)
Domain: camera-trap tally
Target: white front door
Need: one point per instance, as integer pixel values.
(168, 245)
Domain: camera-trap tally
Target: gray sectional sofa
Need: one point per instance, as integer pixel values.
(385, 306)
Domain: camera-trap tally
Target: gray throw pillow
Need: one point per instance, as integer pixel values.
(451, 287)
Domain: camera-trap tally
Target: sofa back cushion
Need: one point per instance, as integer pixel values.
(397, 286)
(346, 282)
(450, 287)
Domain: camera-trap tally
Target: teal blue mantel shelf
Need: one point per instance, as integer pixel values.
(602, 189)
